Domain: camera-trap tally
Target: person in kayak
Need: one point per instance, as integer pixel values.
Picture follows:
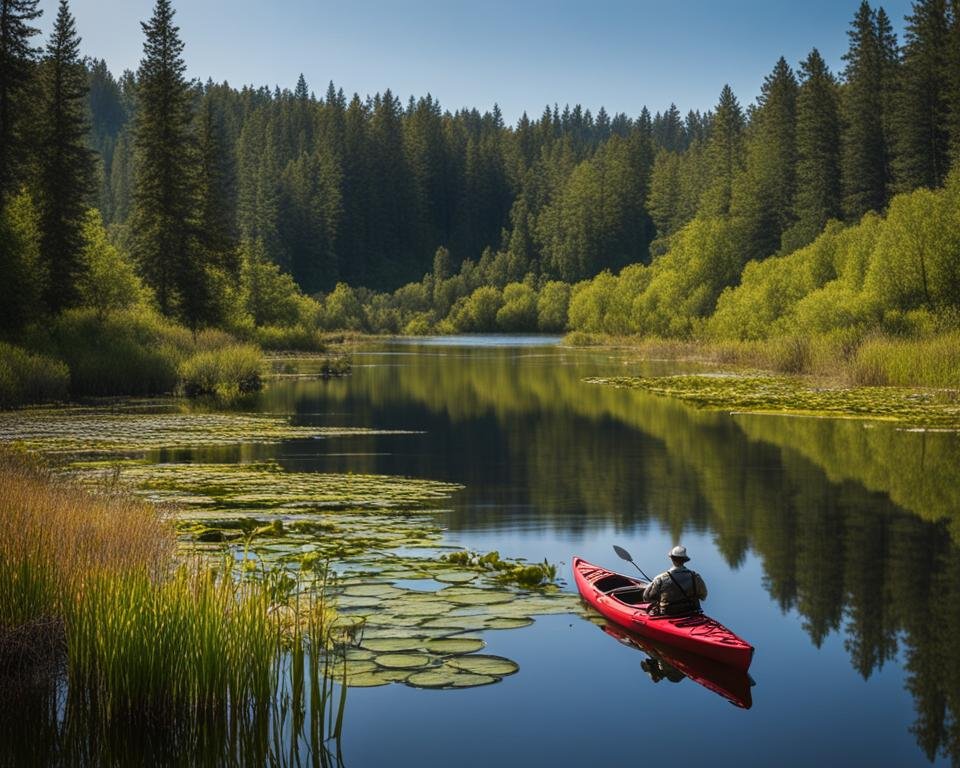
(677, 591)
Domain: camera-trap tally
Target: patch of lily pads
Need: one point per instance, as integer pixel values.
(417, 602)
(78, 430)
(792, 395)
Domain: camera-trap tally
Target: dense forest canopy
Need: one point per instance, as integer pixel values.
(228, 203)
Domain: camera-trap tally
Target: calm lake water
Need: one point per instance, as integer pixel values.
(831, 545)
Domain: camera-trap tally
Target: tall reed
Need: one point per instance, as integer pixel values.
(137, 648)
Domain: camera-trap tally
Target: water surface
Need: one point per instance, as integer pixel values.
(831, 545)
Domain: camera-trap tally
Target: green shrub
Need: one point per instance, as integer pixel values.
(129, 352)
(227, 373)
(296, 337)
(418, 325)
(552, 306)
(519, 310)
(28, 378)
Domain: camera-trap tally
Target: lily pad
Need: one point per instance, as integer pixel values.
(444, 677)
(478, 596)
(455, 577)
(455, 645)
(403, 660)
(479, 664)
(377, 677)
(391, 644)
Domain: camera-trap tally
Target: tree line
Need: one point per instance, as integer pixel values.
(211, 192)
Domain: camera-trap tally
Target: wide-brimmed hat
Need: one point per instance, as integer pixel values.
(679, 553)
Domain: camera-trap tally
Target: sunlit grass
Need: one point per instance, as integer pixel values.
(133, 637)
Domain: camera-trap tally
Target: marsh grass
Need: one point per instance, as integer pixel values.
(104, 636)
(227, 373)
(844, 355)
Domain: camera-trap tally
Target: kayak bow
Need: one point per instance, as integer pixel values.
(620, 598)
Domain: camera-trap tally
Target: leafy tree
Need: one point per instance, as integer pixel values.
(818, 196)
(269, 296)
(23, 273)
(108, 281)
(552, 305)
(17, 56)
(519, 310)
(65, 163)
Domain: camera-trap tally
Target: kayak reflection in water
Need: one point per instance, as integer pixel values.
(658, 670)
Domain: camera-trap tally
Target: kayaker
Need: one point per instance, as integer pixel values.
(677, 591)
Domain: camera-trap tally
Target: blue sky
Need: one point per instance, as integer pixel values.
(521, 54)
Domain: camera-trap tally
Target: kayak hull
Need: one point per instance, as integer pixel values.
(617, 597)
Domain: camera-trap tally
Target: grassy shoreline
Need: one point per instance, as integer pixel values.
(123, 631)
(838, 360)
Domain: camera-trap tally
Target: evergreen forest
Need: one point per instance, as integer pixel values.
(147, 217)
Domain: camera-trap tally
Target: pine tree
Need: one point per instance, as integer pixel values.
(165, 183)
(764, 193)
(863, 157)
(65, 162)
(818, 196)
(217, 190)
(724, 154)
(952, 81)
(17, 57)
(922, 110)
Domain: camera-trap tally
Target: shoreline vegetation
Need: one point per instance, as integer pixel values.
(174, 227)
(116, 630)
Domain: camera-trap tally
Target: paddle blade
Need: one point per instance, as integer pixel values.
(622, 553)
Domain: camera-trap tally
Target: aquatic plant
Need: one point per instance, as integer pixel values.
(517, 572)
(758, 393)
(129, 639)
(137, 427)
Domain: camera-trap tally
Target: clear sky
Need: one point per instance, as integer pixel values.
(521, 54)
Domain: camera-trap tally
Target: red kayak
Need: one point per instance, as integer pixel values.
(620, 599)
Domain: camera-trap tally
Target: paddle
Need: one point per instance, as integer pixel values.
(624, 555)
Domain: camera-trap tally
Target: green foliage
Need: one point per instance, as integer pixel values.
(478, 312)
(17, 56)
(519, 310)
(27, 378)
(552, 305)
(128, 352)
(23, 272)
(108, 280)
(818, 195)
(65, 163)
(342, 310)
(165, 192)
(227, 373)
(270, 296)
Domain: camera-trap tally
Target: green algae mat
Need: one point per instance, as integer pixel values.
(788, 395)
(126, 428)
(417, 603)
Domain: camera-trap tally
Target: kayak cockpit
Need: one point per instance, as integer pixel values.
(626, 590)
